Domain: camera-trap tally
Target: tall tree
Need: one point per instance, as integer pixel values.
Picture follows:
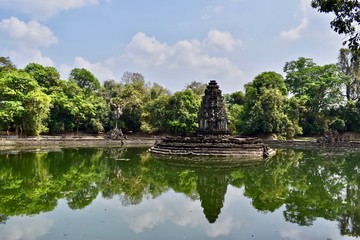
(6, 64)
(23, 104)
(197, 87)
(318, 88)
(46, 77)
(349, 64)
(85, 79)
(265, 107)
(347, 18)
(181, 112)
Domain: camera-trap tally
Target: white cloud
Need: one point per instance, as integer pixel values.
(31, 33)
(222, 39)
(102, 71)
(295, 33)
(180, 63)
(186, 54)
(24, 55)
(42, 9)
(146, 50)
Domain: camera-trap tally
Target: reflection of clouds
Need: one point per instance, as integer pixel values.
(178, 209)
(26, 228)
(222, 227)
(324, 230)
(164, 208)
(290, 233)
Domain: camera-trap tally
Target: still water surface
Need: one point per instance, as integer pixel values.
(129, 194)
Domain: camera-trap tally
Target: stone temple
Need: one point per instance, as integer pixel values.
(212, 136)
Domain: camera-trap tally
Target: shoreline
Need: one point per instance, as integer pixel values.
(49, 142)
(54, 142)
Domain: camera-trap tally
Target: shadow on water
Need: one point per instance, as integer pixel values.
(307, 185)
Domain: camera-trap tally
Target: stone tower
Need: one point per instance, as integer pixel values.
(212, 117)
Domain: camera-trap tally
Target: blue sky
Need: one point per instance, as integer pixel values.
(170, 42)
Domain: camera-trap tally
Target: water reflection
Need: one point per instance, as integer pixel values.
(305, 185)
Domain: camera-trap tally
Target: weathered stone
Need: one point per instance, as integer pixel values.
(115, 134)
(331, 136)
(212, 117)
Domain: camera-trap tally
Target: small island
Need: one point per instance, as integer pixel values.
(212, 137)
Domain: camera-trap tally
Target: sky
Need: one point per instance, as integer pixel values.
(169, 42)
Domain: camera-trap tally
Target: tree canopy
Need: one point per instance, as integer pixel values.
(347, 18)
(310, 99)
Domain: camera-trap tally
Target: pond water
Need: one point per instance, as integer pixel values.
(118, 193)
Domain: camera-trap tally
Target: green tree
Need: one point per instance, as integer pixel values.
(197, 87)
(23, 103)
(46, 77)
(181, 112)
(6, 64)
(265, 107)
(349, 64)
(134, 95)
(317, 89)
(347, 18)
(235, 105)
(73, 108)
(85, 79)
(153, 117)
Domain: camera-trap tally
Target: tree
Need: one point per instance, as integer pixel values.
(46, 77)
(197, 87)
(23, 103)
(265, 107)
(347, 18)
(73, 108)
(153, 117)
(6, 64)
(349, 64)
(181, 112)
(134, 95)
(235, 106)
(317, 89)
(85, 79)
(157, 91)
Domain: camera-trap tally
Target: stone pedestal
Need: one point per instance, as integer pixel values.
(212, 137)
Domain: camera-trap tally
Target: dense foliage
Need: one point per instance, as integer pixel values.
(309, 99)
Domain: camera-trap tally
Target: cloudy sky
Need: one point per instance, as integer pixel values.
(170, 42)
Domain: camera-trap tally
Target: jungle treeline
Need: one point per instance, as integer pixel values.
(307, 99)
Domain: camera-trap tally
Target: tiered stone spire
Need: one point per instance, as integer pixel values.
(212, 117)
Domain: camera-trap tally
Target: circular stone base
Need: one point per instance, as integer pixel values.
(213, 146)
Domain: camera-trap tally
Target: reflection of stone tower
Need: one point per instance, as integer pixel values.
(212, 117)
(212, 189)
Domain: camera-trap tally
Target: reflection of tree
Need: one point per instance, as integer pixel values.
(31, 183)
(349, 220)
(310, 185)
(267, 185)
(3, 219)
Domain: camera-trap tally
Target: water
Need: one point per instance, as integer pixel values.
(129, 194)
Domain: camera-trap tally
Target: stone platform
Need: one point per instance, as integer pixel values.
(224, 146)
(212, 136)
